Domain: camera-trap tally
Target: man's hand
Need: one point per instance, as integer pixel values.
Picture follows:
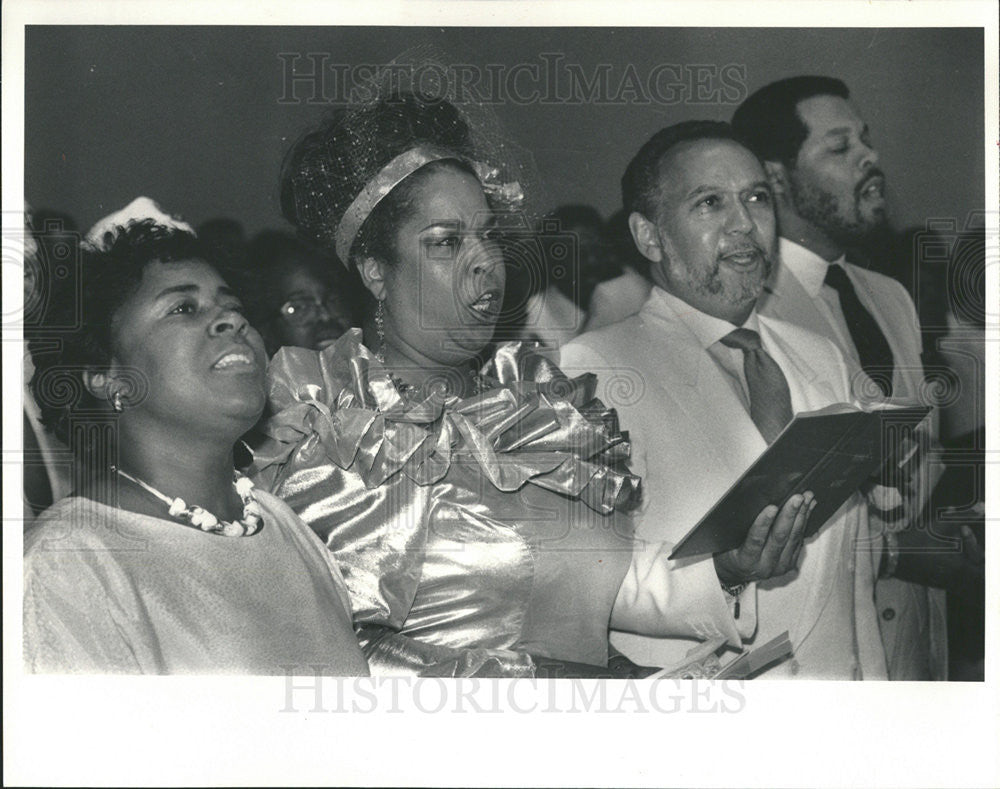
(772, 545)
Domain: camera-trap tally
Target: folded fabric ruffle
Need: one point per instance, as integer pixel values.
(531, 425)
(394, 654)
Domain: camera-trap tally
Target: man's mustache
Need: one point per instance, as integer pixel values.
(750, 247)
(872, 174)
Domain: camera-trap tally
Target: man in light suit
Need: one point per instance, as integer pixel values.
(703, 383)
(829, 197)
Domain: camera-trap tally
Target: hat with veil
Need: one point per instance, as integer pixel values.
(336, 174)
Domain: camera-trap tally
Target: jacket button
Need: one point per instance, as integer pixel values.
(889, 614)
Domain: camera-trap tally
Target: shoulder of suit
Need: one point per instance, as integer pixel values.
(806, 341)
(882, 284)
(606, 340)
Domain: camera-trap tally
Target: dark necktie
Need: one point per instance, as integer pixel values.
(770, 401)
(871, 344)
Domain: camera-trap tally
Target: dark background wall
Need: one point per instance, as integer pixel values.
(192, 115)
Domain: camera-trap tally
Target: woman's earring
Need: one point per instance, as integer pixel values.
(380, 330)
(116, 402)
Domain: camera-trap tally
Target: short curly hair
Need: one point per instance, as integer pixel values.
(769, 119)
(109, 276)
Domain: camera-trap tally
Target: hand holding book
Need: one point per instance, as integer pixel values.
(771, 547)
(831, 452)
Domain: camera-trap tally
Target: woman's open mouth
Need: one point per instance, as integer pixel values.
(236, 361)
(487, 305)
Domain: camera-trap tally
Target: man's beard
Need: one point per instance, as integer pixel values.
(844, 224)
(710, 283)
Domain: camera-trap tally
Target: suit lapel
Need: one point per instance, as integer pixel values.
(810, 385)
(705, 398)
(786, 299)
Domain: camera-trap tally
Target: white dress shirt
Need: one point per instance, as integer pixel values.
(810, 270)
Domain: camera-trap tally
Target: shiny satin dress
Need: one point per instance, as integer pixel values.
(476, 536)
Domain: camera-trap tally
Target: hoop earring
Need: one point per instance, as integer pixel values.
(116, 403)
(380, 331)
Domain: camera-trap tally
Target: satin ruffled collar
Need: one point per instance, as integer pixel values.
(533, 425)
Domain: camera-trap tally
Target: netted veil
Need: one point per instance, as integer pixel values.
(336, 173)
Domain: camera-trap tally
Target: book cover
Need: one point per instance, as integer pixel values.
(830, 452)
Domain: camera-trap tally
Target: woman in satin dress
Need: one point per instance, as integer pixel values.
(478, 513)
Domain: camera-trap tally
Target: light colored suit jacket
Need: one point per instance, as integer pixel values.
(693, 437)
(885, 298)
(912, 617)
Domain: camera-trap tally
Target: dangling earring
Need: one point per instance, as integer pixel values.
(116, 403)
(380, 331)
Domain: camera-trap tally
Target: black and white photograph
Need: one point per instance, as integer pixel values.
(500, 393)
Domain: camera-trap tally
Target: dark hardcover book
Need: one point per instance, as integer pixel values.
(830, 452)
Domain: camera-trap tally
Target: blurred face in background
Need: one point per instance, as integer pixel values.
(589, 267)
(312, 313)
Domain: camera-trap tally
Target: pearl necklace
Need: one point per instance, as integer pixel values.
(201, 518)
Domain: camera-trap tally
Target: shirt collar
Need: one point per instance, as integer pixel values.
(706, 328)
(807, 267)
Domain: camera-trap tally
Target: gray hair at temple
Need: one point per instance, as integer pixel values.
(641, 184)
